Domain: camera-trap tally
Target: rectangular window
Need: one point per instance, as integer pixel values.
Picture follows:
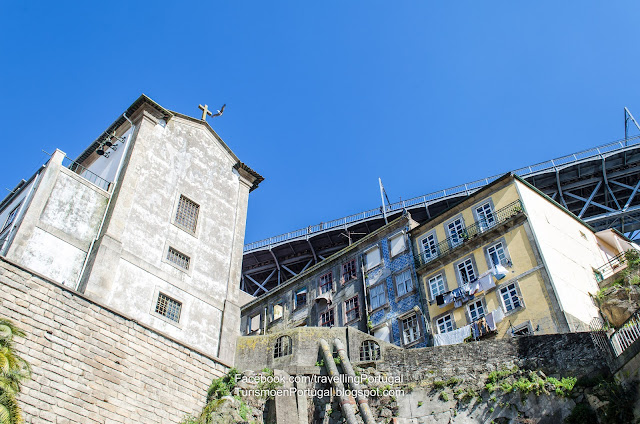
(485, 216)
(377, 296)
(444, 324)
(410, 329)
(178, 258)
(524, 329)
(497, 255)
(349, 271)
(429, 246)
(254, 323)
(327, 318)
(326, 283)
(168, 307)
(476, 310)
(352, 309)
(466, 271)
(187, 214)
(11, 217)
(404, 284)
(372, 258)
(510, 297)
(278, 311)
(456, 231)
(300, 298)
(398, 245)
(436, 285)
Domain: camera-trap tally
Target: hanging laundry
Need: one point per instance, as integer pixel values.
(452, 337)
(473, 287)
(474, 330)
(490, 322)
(486, 282)
(448, 298)
(440, 300)
(501, 272)
(498, 315)
(457, 303)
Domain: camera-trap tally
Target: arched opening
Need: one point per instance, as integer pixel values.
(369, 351)
(283, 347)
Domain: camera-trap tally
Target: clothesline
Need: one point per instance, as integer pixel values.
(465, 292)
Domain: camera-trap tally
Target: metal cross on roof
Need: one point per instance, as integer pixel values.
(205, 111)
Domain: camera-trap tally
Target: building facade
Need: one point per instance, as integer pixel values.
(508, 260)
(369, 285)
(149, 220)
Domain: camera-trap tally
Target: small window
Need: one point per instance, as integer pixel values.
(327, 318)
(398, 245)
(485, 216)
(476, 310)
(369, 351)
(178, 258)
(410, 329)
(283, 347)
(466, 271)
(376, 293)
(510, 297)
(456, 231)
(253, 324)
(524, 329)
(404, 283)
(326, 283)
(372, 258)
(11, 217)
(168, 307)
(349, 271)
(497, 254)
(300, 298)
(352, 309)
(429, 247)
(278, 311)
(187, 214)
(436, 285)
(444, 324)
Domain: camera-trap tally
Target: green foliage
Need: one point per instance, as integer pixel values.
(320, 363)
(419, 404)
(444, 396)
(453, 381)
(439, 384)
(222, 386)
(265, 387)
(494, 376)
(619, 402)
(337, 361)
(244, 410)
(582, 414)
(13, 371)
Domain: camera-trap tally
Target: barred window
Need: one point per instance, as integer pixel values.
(187, 214)
(283, 347)
(168, 307)
(369, 351)
(178, 258)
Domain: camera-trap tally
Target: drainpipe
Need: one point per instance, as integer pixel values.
(364, 287)
(345, 401)
(363, 404)
(106, 210)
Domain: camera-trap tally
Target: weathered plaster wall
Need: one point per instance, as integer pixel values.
(570, 252)
(59, 224)
(129, 268)
(94, 365)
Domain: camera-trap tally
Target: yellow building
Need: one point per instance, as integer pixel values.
(508, 260)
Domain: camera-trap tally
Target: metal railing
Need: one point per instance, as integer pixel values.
(611, 267)
(461, 237)
(628, 333)
(466, 189)
(86, 174)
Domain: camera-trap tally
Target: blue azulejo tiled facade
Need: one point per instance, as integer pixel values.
(393, 292)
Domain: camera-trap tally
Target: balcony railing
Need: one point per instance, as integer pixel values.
(86, 174)
(448, 245)
(612, 266)
(628, 333)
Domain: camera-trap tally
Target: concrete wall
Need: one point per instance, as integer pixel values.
(128, 267)
(59, 224)
(570, 252)
(94, 365)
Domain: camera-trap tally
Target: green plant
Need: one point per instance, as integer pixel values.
(337, 361)
(320, 363)
(444, 396)
(439, 384)
(492, 409)
(222, 386)
(452, 381)
(244, 410)
(369, 324)
(13, 371)
(265, 388)
(419, 404)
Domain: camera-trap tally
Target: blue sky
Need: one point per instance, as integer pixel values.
(325, 97)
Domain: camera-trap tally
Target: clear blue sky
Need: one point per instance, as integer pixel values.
(325, 97)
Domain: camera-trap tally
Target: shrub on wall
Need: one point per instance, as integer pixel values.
(13, 371)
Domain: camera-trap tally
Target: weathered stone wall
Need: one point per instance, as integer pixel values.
(93, 365)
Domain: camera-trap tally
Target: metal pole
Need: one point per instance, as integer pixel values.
(384, 209)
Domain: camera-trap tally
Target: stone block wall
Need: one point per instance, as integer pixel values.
(94, 365)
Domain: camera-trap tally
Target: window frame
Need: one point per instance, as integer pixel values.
(176, 211)
(474, 302)
(478, 216)
(166, 258)
(428, 279)
(348, 321)
(154, 307)
(332, 312)
(367, 266)
(384, 292)
(505, 250)
(297, 306)
(321, 284)
(250, 317)
(506, 285)
(456, 269)
(353, 273)
(366, 351)
(281, 304)
(432, 251)
(11, 215)
(459, 239)
(522, 326)
(419, 329)
(400, 235)
(396, 284)
(280, 350)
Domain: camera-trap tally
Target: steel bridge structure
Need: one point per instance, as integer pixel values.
(599, 185)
